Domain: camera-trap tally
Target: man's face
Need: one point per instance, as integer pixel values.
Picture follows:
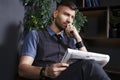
(63, 16)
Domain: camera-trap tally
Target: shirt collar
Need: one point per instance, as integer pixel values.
(52, 33)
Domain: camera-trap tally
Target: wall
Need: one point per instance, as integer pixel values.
(11, 18)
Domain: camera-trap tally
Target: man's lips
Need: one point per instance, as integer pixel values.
(66, 25)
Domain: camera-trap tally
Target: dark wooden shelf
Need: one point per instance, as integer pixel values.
(114, 42)
(99, 8)
(114, 75)
(113, 71)
(101, 38)
(97, 34)
(92, 8)
(115, 7)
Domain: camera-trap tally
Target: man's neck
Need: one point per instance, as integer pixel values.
(55, 29)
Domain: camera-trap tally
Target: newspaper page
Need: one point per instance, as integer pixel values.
(72, 55)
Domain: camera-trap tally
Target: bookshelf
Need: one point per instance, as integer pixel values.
(95, 27)
(99, 33)
(100, 18)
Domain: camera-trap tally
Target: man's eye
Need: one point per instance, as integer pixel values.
(73, 17)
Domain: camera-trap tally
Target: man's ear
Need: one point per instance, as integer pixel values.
(55, 13)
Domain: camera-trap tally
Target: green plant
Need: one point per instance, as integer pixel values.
(38, 14)
(80, 20)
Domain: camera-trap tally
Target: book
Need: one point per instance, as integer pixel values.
(88, 3)
(93, 3)
(97, 3)
(72, 55)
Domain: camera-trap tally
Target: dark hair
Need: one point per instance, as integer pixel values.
(68, 3)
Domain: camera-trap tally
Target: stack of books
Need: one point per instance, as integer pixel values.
(92, 3)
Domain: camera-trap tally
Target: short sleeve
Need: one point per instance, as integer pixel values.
(30, 44)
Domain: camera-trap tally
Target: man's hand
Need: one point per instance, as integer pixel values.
(54, 70)
(72, 31)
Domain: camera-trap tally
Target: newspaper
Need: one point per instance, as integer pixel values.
(72, 55)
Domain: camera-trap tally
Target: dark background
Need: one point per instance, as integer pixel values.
(11, 18)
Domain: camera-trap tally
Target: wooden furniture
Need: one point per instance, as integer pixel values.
(100, 34)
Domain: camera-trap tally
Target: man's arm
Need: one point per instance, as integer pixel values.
(83, 48)
(79, 40)
(72, 31)
(26, 69)
(27, 55)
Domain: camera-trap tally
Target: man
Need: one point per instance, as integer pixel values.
(43, 50)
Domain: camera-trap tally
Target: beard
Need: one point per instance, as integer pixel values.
(58, 25)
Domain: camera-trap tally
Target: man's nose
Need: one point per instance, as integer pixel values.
(69, 20)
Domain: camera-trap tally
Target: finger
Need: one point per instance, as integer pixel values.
(55, 74)
(62, 65)
(61, 69)
(69, 26)
(59, 66)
